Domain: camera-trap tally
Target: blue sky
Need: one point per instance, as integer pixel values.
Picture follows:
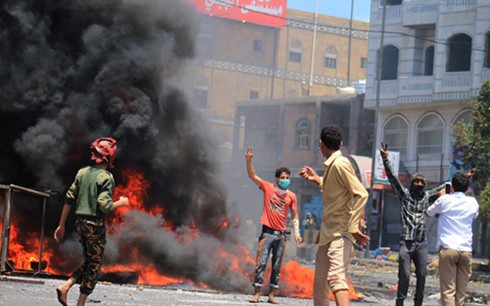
(338, 8)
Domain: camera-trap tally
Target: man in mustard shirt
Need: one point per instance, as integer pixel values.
(344, 199)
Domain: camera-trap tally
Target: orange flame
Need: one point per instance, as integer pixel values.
(297, 279)
(224, 224)
(135, 187)
(23, 256)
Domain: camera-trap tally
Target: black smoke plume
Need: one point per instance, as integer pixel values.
(72, 71)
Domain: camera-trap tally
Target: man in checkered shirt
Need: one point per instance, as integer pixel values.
(413, 240)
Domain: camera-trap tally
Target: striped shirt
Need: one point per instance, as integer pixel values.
(413, 208)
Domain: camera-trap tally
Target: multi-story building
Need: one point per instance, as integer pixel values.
(244, 60)
(286, 78)
(286, 132)
(428, 58)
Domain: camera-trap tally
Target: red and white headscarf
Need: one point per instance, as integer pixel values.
(104, 150)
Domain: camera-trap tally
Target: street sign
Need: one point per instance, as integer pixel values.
(379, 170)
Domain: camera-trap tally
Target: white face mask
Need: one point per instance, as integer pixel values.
(281, 191)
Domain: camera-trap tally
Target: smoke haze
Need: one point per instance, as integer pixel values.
(72, 71)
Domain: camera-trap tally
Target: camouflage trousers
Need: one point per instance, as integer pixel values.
(92, 237)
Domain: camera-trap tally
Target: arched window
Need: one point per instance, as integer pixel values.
(272, 137)
(487, 50)
(330, 57)
(295, 50)
(459, 150)
(396, 135)
(429, 61)
(200, 93)
(390, 63)
(465, 116)
(303, 132)
(459, 53)
(430, 134)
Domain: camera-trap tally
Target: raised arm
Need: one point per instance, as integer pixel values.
(436, 192)
(440, 190)
(400, 190)
(250, 168)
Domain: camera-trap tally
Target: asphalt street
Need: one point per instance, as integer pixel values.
(375, 280)
(26, 292)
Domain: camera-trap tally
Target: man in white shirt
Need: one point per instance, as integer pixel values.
(457, 212)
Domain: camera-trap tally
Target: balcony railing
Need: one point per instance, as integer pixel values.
(416, 86)
(460, 2)
(423, 89)
(416, 12)
(389, 88)
(393, 14)
(456, 80)
(457, 5)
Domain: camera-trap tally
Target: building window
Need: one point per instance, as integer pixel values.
(294, 57)
(392, 2)
(272, 137)
(204, 43)
(430, 133)
(330, 62)
(295, 50)
(389, 69)
(487, 50)
(330, 57)
(429, 61)
(396, 135)
(257, 45)
(364, 62)
(253, 95)
(465, 116)
(200, 93)
(459, 53)
(303, 132)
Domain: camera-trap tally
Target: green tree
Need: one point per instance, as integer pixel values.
(473, 140)
(479, 148)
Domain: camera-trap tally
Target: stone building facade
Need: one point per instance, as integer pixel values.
(428, 60)
(286, 132)
(239, 61)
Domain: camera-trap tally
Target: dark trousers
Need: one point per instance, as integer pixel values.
(416, 251)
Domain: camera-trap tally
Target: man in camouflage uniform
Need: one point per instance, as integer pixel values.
(91, 193)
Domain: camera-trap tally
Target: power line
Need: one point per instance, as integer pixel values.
(465, 46)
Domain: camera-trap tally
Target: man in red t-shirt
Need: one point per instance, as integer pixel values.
(278, 200)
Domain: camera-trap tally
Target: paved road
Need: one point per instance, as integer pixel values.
(26, 292)
(370, 278)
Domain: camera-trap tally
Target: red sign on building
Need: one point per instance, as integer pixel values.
(266, 12)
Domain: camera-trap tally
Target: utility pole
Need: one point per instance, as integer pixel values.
(350, 41)
(375, 138)
(313, 49)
